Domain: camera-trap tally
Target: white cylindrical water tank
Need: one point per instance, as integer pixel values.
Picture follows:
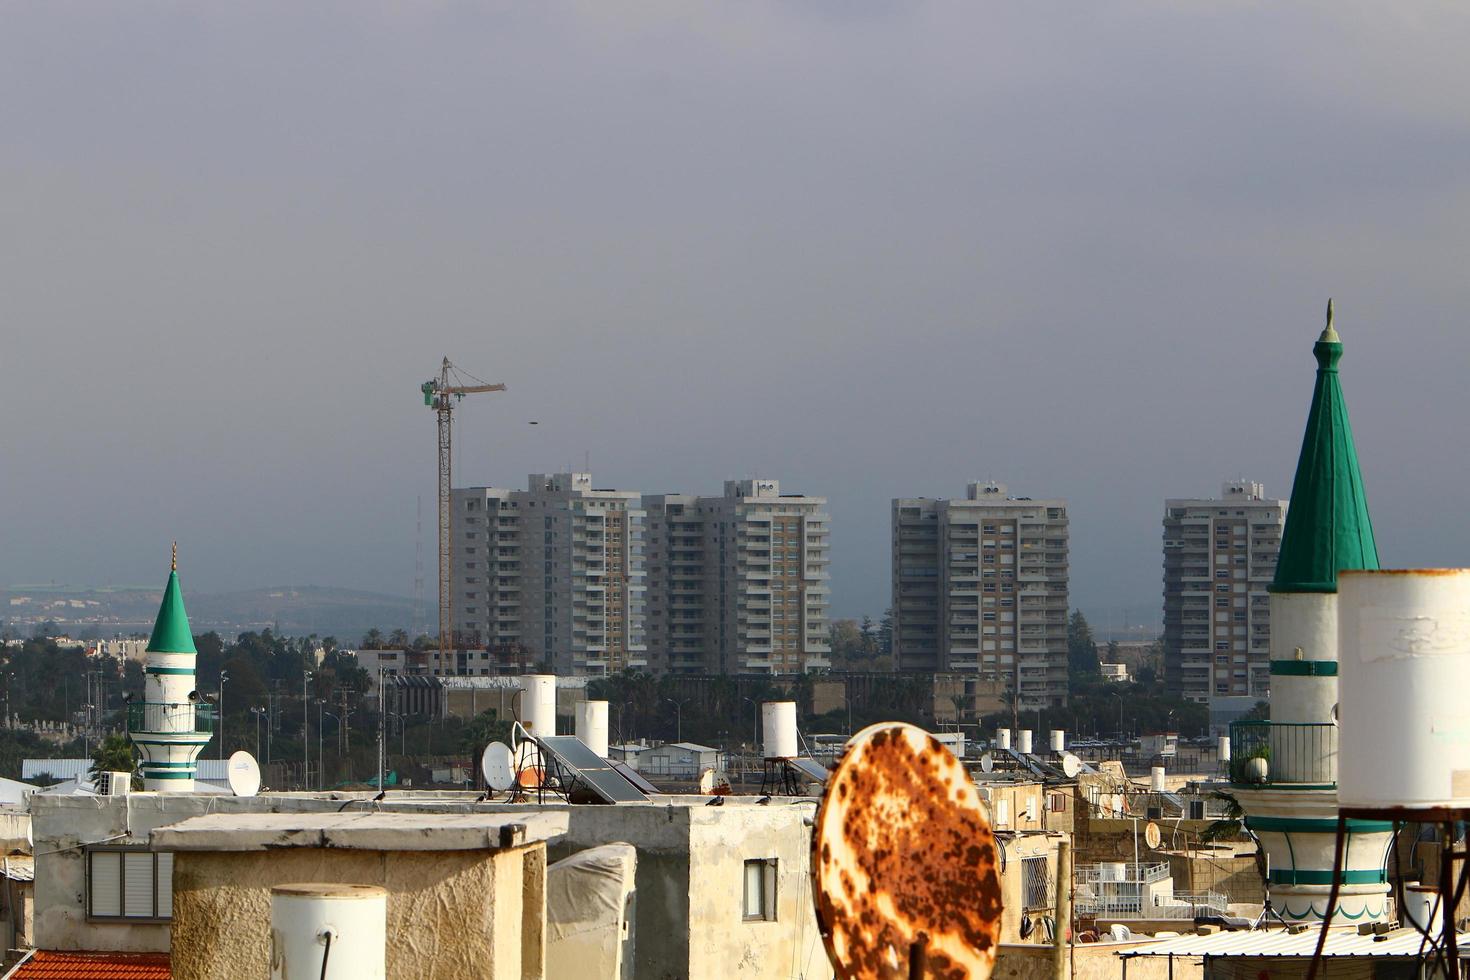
(1404, 672)
(538, 703)
(1058, 740)
(1023, 741)
(1419, 906)
(1003, 738)
(1156, 779)
(336, 932)
(592, 726)
(1223, 749)
(778, 730)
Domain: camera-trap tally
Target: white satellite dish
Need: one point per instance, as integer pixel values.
(987, 763)
(244, 774)
(1071, 765)
(498, 766)
(1152, 836)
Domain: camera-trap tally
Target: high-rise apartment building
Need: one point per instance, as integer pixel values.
(1219, 558)
(980, 584)
(556, 570)
(738, 583)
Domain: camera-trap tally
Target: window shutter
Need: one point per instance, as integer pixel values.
(165, 885)
(138, 884)
(106, 883)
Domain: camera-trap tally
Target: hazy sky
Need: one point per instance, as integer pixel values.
(869, 249)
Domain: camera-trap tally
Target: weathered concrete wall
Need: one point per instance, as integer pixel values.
(1090, 961)
(723, 944)
(450, 913)
(1012, 883)
(1235, 877)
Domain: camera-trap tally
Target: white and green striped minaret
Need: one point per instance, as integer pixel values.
(167, 727)
(1285, 769)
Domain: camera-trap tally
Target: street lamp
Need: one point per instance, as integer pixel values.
(678, 719)
(1120, 713)
(321, 762)
(224, 675)
(258, 712)
(305, 732)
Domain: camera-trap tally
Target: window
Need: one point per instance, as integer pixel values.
(129, 884)
(760, 890)
(1035, 883)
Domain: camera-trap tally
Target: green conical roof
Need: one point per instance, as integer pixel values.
(171, 632)
(1328, 528)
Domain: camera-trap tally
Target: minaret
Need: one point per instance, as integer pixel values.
(1285, 770)
(165, 727)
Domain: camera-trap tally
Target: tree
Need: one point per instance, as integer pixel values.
(113, 754)
(398, 639)
(885, 633)
(1081, 649)
(372, 639)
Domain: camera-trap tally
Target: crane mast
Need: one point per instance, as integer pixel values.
(442, 395)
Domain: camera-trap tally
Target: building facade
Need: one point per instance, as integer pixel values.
(738, 582)
(555, 573)
(1219, 559)
(980, 585)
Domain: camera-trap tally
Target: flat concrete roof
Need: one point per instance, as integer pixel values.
(371, 831)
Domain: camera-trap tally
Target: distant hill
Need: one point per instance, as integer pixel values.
(293, 610)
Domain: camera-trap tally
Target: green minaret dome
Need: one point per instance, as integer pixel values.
(171, 632)
(1328, 529)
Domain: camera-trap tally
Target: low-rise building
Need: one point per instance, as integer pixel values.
(679, 760)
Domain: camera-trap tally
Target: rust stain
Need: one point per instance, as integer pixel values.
(901, 854)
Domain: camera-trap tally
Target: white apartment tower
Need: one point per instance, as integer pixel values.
(980, 585)
(1219, 559)
(557, 569)
(738, 583)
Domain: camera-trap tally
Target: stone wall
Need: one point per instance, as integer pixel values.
(450, 913)
(1090, 961)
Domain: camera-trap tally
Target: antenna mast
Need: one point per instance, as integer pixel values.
(440, 395)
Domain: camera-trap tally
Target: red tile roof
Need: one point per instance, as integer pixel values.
(46, 965)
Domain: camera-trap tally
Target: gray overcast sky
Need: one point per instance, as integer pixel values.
(870, 249)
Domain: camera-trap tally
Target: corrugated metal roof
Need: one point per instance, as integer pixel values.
(18, 869)
(1279, 943)
(217, 770)
(46, 965)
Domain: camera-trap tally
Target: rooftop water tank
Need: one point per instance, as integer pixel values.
(1404, 641)
(1223, 749)
(1156, 779)
(1003, 738)
(538, 703)
(1023, 741)
(331, 931)
(778, 730)
(592, 726)
(1058, 740)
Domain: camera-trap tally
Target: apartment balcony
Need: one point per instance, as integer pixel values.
(1266, 753)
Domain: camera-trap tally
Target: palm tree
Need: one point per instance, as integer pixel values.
(373, 639)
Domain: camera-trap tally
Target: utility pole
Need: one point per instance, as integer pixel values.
(1059, 966)
(382, 715)
(441, 395)
(321, 762)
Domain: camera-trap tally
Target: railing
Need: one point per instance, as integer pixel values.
(1117, 888)
(1267, 753)
(1188, 905)
(154, 716)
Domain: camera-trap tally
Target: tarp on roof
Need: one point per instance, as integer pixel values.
(586, 902)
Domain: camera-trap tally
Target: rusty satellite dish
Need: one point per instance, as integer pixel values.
(1152, 836)
(904, 863)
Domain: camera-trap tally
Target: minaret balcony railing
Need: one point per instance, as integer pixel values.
(1282, 754)
(158, 716)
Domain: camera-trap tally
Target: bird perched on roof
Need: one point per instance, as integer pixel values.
(717, 801)
(380, 796)
(483, 797)
(763, 801)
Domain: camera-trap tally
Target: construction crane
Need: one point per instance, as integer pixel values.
(441, 394)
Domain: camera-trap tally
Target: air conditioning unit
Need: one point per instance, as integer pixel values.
(114, 783)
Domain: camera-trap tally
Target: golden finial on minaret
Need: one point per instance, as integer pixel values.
(1329, 332)
(173, 565)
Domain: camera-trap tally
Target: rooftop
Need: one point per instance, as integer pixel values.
(46, 965)
(366, 831)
